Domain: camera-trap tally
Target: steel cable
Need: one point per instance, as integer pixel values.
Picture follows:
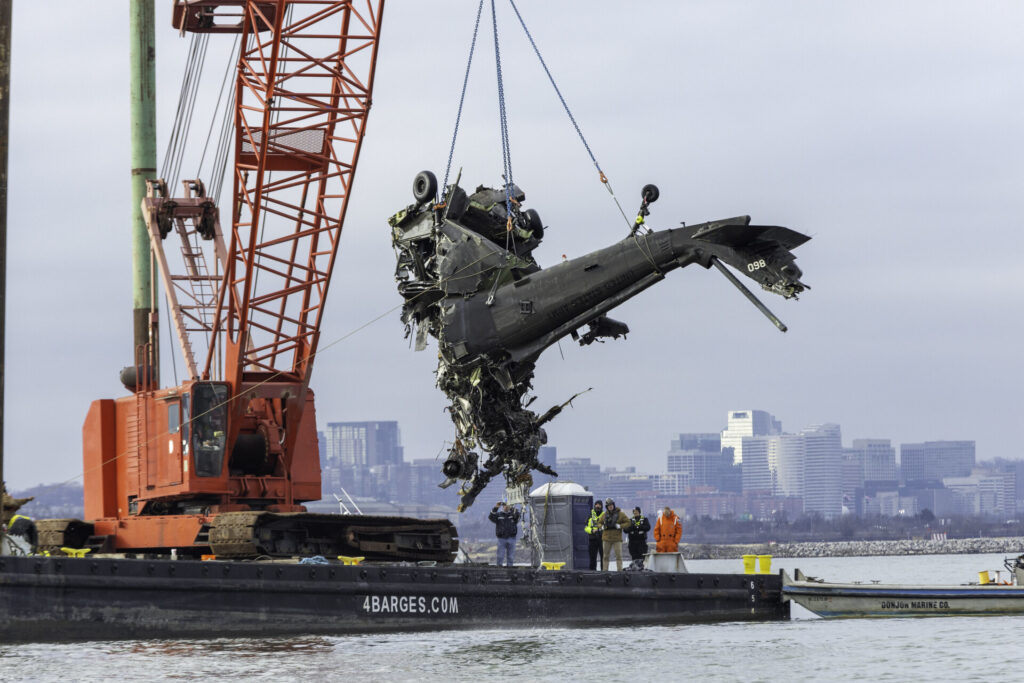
(462, 97)
(565, 105)
(190, 108)
(172, 140)
(232, 59)
(506, 151)
(187, 96)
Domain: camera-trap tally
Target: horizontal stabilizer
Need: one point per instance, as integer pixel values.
(739, 235)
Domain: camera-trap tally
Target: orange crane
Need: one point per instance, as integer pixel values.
(224, 461)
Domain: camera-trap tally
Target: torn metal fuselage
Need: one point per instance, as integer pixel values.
(469, 279)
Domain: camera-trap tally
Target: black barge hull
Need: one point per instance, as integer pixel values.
(47, 598)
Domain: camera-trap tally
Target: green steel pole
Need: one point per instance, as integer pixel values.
(142, 53)
(5, 111)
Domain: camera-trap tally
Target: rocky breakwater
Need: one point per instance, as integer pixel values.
(954, 546)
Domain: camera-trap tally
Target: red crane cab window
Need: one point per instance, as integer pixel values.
(209, 428)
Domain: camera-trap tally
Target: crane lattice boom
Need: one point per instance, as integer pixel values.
(304, 80)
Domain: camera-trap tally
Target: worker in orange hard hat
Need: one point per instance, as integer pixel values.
(667, 531)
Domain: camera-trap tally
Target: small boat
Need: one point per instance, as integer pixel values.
(987, 597)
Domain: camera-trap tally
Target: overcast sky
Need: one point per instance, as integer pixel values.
(890, 132)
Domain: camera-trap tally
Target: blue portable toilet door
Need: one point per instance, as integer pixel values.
(581, 506)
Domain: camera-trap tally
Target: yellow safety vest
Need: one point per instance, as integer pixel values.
(592, 526)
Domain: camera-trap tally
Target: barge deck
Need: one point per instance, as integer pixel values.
(50, 598)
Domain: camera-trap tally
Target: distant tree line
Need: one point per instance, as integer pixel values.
(53, 501)
(814, 527)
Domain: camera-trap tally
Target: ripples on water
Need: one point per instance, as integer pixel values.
(805, 649)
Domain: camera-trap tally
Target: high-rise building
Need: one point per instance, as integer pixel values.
(984, 492)
(823, 453)
(787, 460)
(580, 471)
(704, 442)
(933, 461)
(424, 477)
(698, 457)
(547, 455)
(363, 443)
(392, 482)
(853, 481)
(869, 465)
(625, 487)
(757, 474)
(878, 459)
(966, 492)
(330, 482)
(747, 423)
(732, 473)
(672, 483)
(355, 480)
(321, 444)
(941, 502)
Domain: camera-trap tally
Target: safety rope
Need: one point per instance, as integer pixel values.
(645, 249)
(601, 175)
(462, 98)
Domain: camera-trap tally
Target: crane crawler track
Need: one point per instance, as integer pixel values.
(252, 534)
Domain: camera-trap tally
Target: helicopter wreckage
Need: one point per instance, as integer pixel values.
(466, 270)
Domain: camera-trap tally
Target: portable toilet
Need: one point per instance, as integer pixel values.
(559, 512)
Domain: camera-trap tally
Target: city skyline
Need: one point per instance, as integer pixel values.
(806, 471)
(672, 434)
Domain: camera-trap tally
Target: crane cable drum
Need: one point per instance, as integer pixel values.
(506, 147)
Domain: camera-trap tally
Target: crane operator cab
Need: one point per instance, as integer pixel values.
(208, 423)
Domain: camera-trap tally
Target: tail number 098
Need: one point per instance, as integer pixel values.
(756, 265)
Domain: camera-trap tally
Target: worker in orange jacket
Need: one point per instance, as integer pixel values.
(667, 532)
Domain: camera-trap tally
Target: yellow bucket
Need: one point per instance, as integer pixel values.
(984, 579)
(749, 562)
(765, 564)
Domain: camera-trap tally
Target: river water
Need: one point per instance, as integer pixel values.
(804, 649)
